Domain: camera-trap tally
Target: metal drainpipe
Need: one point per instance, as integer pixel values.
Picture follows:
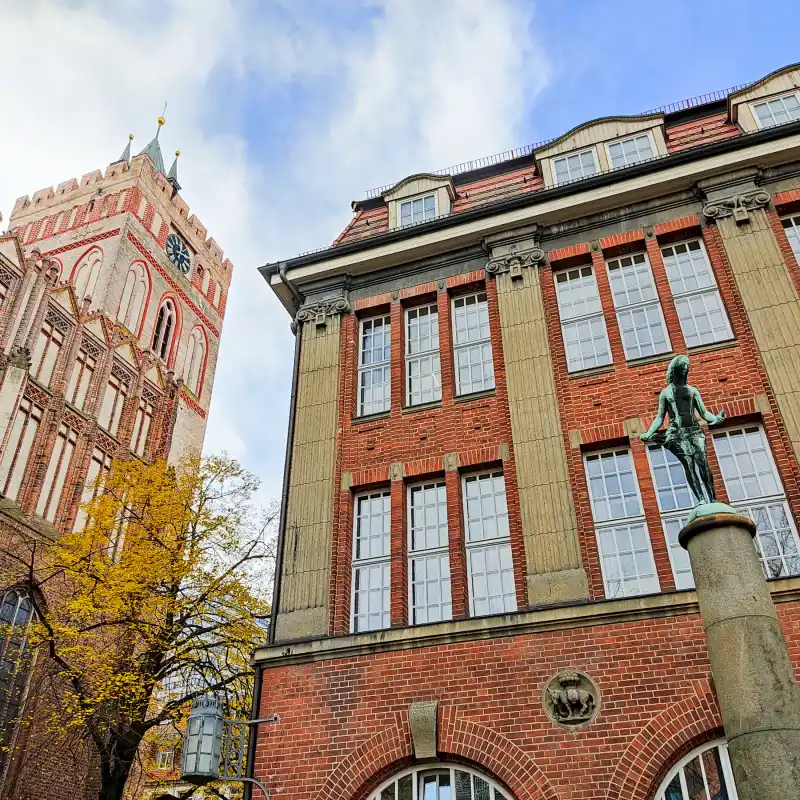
(287, 469)
(250, 764)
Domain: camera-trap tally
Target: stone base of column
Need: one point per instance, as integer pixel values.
(753, 676)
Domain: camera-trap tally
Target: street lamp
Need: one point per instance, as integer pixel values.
(214, 747)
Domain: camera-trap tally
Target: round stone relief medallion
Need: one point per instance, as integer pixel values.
(571, 698)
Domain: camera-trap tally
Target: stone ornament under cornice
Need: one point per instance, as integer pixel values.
(738, 206)
(19, 356)
(514, 262)
(319, 312)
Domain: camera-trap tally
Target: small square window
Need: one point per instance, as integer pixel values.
(629, 151)
(574, 167)
(778, 110)
(420, 209)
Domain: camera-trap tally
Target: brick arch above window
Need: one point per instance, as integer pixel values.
(86, 272)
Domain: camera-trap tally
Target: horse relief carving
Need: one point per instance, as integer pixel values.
(571, 698)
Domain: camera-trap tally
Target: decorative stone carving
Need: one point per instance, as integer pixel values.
(738, 206)
(319, 312)
(571, 699)
(19, 356)
(515, 261)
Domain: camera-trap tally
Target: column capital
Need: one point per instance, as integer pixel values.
(738, 206)
(515, 259)
(319, 311)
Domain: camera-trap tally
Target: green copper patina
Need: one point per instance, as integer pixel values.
(684, 437)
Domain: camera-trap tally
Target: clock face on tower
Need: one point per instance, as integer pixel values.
(178, 253)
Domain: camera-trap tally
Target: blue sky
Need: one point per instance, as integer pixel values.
(286, 110)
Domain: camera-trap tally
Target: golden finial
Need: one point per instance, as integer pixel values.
(130, 137)
(177, 153)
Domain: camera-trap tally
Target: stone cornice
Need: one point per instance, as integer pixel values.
(554, 618)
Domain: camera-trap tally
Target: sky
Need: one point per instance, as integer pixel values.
(287, 110)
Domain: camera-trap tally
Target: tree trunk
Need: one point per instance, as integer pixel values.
(116, 763)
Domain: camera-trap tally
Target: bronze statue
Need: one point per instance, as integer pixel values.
(684, 437)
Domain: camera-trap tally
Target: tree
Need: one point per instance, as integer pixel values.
(163, 586)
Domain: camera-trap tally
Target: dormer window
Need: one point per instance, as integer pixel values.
(629, 151)
(420, 209)
(778, 110)
(574, 167)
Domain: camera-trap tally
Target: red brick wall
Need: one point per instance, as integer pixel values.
(343, 724)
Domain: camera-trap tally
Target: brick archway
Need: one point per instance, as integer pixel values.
(669, 733)
(459, 737)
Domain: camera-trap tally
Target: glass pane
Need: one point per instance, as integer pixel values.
(463, 785)
(405, 788)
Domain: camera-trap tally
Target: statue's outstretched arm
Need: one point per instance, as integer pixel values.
(711, 419)
(659, 420)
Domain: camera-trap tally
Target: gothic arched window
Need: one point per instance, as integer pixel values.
(705, 774)
(441, 782)
(195, 360)
(134, 296)
(86, 272)
(16, 613)
(165, 329)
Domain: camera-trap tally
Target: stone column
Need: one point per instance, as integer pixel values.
(12, 387)
(753, 676)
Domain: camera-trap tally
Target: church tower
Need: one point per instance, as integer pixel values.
(112, 301)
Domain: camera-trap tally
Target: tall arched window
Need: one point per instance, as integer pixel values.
(86, 272)
(16, 613)
(705, 774)
(165, 329)
(441, 782)
(195, 360)
(134, 296)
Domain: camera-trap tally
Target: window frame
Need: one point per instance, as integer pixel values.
(433, 353)
(678, 769)
(765, 101)
(426, 553)
(570, 321)
(616, 522)
(686, 294)
(162, 764)
(765, 500)
(53, 486)
(85, 365)
(622, 139)
(142, 421)
(565, 158)
(384, 560)
(53, 336)
(631, 307)
(162, 341)
(385, 364)
(420, 771)
(18, 460)
(465, 346)
(409, 201)
(794, 237)
(485, 544)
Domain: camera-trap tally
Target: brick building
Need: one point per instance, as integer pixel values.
(112, 298)
(480, 591)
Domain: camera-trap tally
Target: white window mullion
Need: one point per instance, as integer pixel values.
(697, 298)
(754, 488)
(574, 167)
(374, 366)
(631, 150)
(371, 577)
(428, 554)
(423, 366)
(488, 544)
(626, 556)
(583, 327)
(472, 344)
(418, 209)
(639, 315)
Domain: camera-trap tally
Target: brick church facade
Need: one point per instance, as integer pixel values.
(480, 591)
(112, 298)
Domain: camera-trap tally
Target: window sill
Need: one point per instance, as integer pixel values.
(706, 348)
(370, 418)
(638, 362)
(422, 407)
(589, 373)
(466, 398)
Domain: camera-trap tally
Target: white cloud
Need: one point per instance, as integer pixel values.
(391, 88)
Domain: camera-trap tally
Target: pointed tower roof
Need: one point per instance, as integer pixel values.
(153, 149)
(173, 173)
(126, 153)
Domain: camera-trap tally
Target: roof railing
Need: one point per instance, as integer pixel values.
(518, 152)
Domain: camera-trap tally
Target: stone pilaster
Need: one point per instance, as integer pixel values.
(552, 550)
(753, 676)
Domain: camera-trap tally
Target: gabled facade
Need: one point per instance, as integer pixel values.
(112, 299)
(480, 591)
